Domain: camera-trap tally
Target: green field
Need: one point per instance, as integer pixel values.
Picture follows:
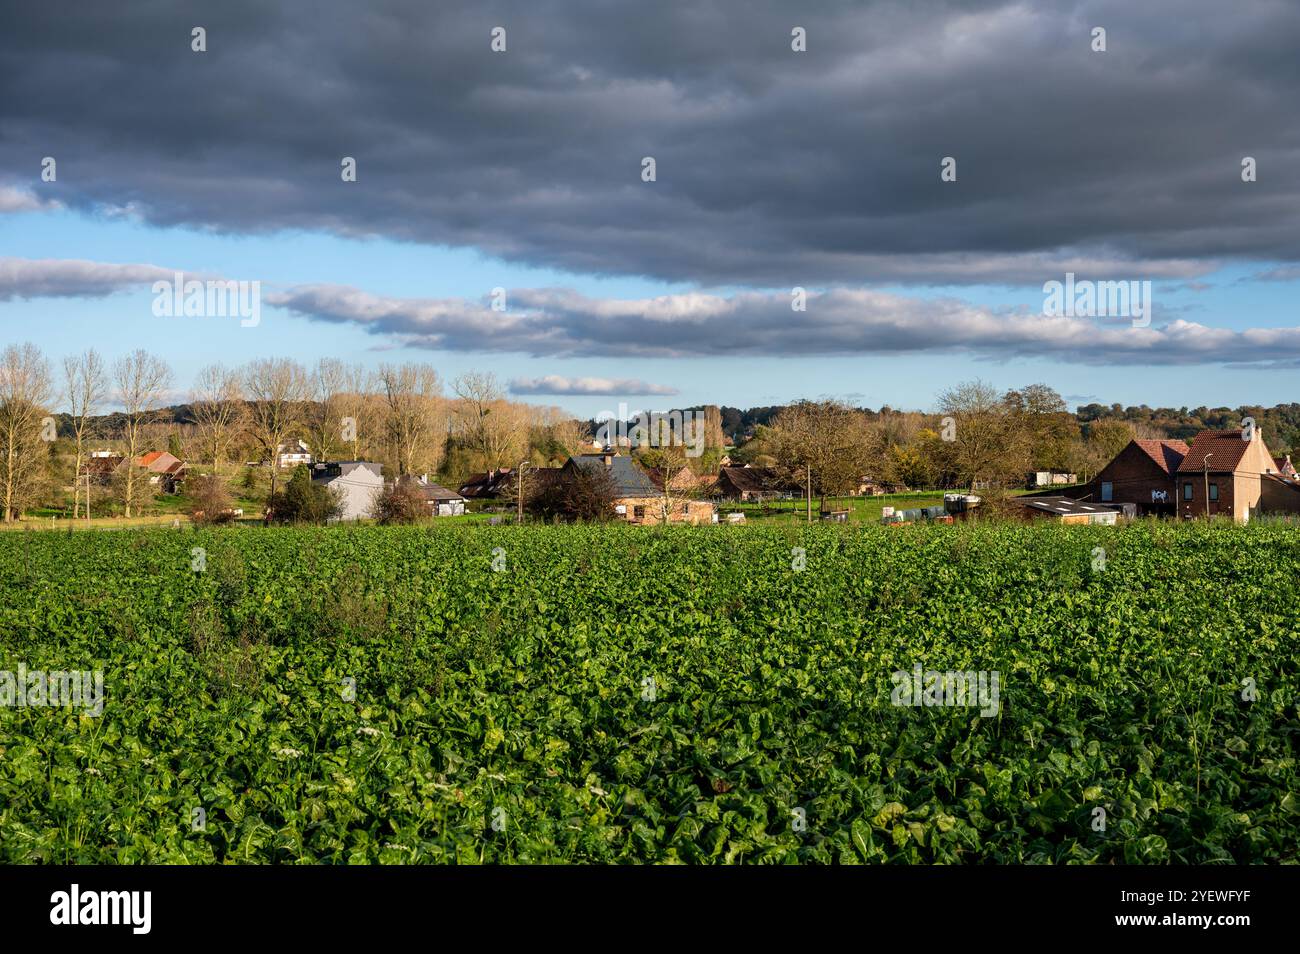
(633, 694)
(861, 509)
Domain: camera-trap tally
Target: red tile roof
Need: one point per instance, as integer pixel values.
(149, 458)
(1227, 449)
(1167, 454)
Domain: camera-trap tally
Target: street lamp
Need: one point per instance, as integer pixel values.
(1205, 470)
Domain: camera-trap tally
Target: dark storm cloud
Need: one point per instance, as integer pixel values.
(774, 168)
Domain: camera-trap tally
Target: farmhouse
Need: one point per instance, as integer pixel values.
(356, 482)
(1142, 474)
(1223, 474)
(747, 483)
(166, 472)
(482, 486)
(442, 502)
(291, 455)
(684, 481)
(636, 498)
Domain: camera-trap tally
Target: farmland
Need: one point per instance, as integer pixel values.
(623, 694)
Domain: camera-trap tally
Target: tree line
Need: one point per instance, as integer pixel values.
(398, 414)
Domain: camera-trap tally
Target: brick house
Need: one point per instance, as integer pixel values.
(1230, 472)
(748, 483)
(488, 485)
(636, 498)
(1141, 474)
(166, 471)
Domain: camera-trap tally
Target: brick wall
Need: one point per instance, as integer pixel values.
(1134, 478)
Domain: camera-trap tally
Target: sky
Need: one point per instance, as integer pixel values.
(920, 169)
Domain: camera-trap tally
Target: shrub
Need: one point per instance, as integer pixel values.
(209, 500)
(303, 501)
(579, 495)
(400, 502)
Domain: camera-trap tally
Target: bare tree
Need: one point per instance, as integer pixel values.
(826, 446)
(988, 441)
(357, 407)
(24, 392)
(142, 380)
(218, 407)
(325, 427)
(85, 389)
(563, 435)
(493, 428)
(671, 473)
(278, 387)
(415, 421)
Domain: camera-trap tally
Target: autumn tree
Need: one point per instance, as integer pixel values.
(277, 388)
(415, 423)
(218, 408)
(85, 383)
(24, 393)
(826, 444)
(988, 442)
(142, 380)
(490, 426)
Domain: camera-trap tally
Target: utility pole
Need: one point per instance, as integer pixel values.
(519, 489)
(808, 468)
(1205, 470)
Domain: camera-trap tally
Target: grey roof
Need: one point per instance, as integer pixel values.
(341, 468)
(430, 490)
(1063, 505)
(629, 479)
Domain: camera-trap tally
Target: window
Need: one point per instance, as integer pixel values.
(1214, 491)
(1107, 490)
(1187, 490)
(638, 513)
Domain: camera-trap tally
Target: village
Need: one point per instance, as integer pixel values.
(1225, 474)
(278, 442)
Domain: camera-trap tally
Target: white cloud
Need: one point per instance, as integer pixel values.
(564, 323)
(558, 385)
(14, 200)
(72, 278)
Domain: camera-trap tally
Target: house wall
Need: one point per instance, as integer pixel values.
(1240, 492)
(1135, 479)
(1276, 497)
(1239, 495)
(693, 512)
(357, 490)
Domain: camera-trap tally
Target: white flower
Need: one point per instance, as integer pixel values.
(288, 753)
(369, 730)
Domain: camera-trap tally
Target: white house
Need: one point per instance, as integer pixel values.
(291, 455)
(356, 482)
